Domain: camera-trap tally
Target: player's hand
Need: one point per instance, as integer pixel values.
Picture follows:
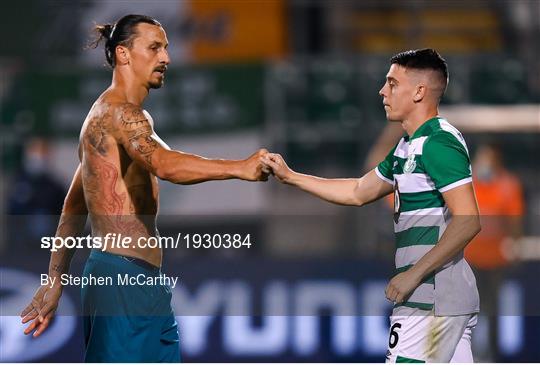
(279, 167)
(253, 169)
(401, 286)
(41, 309)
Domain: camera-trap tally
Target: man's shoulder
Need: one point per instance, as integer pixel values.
(443, 128)
(126, 115)
(444, 134)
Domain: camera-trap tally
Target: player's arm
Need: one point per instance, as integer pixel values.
(71, 224)
(72, 221)
(357, 192)
(465, 224)
(135, 133)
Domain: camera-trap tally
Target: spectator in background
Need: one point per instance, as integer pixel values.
(35, 197)
(500, 198)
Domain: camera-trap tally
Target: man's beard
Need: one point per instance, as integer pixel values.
(156, 84)
(159, 83)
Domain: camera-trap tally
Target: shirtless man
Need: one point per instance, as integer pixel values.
(116, 184)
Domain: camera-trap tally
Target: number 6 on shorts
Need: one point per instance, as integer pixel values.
(394, 337)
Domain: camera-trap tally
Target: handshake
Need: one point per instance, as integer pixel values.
(262, 164)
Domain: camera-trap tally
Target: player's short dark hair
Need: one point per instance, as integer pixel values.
(121, 33)
(423, 59)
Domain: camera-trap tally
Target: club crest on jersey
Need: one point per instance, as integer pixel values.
(409, 165)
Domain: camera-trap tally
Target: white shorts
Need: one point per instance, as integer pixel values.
(419, 336)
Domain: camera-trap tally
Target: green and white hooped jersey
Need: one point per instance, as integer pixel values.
(433, 160)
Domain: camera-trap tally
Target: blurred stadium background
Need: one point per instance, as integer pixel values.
(301, 78)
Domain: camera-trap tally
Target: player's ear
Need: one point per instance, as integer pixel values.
(419, 93)
(122, 55)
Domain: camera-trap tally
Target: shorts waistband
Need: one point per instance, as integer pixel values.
(98, 254)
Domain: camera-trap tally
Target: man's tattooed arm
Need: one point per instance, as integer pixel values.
(135, 133)
(71, 224)
(138, 134)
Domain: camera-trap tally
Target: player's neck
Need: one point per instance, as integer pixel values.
(415, 120)
(132, 91)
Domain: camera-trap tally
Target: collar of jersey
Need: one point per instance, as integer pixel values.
(418, 133)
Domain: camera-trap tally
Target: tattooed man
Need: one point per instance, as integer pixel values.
(116, 185)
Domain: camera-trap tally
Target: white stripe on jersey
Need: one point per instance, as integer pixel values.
(410, 255)
(455, 184)
(414, 183)
(427, 217)
(381, 176)
(404, 149)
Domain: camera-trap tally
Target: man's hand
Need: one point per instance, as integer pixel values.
(279, 167)
(41, 309)
(401, 286)
(253, 169)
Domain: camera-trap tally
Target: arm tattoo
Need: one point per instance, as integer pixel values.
(139, 132)
(96, 135)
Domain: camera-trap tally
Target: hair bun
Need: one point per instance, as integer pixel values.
(105, 30)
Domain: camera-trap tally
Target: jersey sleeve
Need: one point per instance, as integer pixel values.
(384, 170)
(446, 161)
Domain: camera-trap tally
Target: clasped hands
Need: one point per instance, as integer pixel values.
(263, 163)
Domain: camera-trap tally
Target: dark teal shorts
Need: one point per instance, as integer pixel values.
(127, 323)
